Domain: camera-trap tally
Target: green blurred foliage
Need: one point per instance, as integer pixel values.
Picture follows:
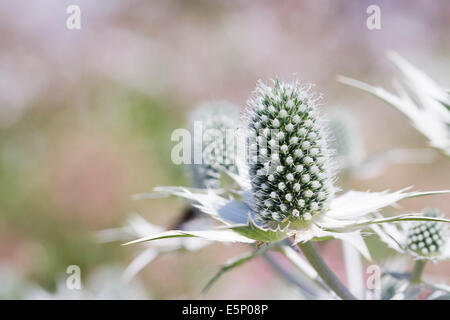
(29, 154)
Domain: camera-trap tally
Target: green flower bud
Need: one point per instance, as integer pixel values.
(426, 239)
(292, 176)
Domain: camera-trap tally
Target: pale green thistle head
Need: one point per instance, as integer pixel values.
(427, 239)
(289, 161)
(218, 120)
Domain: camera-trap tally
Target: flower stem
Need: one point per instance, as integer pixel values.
(290, 278)
(316, 261)
(419, 266)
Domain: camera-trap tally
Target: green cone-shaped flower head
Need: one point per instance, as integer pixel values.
(426, 239)
(213, 125)
(289, 161)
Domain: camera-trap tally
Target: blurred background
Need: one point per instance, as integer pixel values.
(86, 117)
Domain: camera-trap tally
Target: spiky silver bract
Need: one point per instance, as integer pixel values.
(219, 121)
(427, 239)
(289, 163)
(420, 98)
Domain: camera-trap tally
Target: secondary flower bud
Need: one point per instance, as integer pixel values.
(218, 122)
(295, 167)
(427, 238)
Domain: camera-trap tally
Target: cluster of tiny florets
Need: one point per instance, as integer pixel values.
(216, 141)
(288, 157)
(427, 238)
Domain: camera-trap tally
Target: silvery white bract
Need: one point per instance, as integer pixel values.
(422, 240)
(209, 125)
(423, 101)
(345, 138)
(217, 119)
(343, 217)
(139, 227)
(350, 155)
(103, 283)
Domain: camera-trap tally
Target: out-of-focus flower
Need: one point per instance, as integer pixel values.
(423, 101)
(212, 125)
(139, 227)
(423, 240)
(349, 152)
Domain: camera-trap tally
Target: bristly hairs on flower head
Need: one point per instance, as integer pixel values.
(215, 117)
(289, 161)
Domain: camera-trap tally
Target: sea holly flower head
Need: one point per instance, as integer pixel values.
(424, 240)
(217, 121)
(292, 179)
(136, 226)
(427, 239)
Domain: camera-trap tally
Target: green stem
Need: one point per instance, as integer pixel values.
(419, 266)
(316, 261)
